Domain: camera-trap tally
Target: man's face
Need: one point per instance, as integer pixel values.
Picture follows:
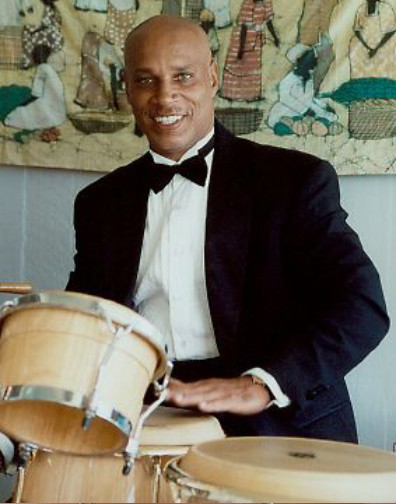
(171, 81)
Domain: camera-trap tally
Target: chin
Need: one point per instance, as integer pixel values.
(171, 147)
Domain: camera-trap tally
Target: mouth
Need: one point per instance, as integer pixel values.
(168, 120)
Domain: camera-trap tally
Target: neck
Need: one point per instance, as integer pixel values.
(192, 151)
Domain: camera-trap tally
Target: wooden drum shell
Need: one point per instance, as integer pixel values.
(54, 349)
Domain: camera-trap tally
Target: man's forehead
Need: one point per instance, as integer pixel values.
(178, 37)
(168, 58)
(178, 49)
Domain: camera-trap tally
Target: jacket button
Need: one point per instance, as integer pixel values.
(311, 394)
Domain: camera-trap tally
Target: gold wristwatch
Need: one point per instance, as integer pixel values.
(258, 381)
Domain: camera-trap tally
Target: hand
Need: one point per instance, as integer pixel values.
(215, 395)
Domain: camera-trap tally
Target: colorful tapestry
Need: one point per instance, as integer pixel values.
(313, 75)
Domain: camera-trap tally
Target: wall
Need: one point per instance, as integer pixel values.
(36, 245)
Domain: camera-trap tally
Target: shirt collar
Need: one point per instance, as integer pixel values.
(192, 151)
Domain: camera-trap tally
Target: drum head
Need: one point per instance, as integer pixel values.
(294, 469)
(167, 427)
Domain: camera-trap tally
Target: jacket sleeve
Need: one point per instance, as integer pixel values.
(85, 277)
(335, 282)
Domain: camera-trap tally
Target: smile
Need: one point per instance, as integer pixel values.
(171, 119)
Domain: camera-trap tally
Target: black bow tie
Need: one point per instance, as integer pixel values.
(193, 168)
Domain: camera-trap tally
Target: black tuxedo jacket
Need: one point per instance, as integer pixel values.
(290, 287)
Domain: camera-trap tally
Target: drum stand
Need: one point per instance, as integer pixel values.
(157, 470)
(27, 452)
(16, 287)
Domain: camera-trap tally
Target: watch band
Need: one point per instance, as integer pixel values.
(258, 381)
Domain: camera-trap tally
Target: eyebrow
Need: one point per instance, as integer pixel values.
(177, 68)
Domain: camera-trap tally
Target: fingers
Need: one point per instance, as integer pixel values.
(234, 395)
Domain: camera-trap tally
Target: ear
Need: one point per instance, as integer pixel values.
(214, 77)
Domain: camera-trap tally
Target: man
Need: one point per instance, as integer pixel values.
(262, 291)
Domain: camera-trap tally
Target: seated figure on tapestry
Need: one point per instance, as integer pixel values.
(46, 106)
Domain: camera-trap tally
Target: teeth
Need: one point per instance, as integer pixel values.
(168, 119)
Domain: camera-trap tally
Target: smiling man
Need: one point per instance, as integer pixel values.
(171, 83)
(239, 253)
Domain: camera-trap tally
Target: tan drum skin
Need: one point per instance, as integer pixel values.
(168, 432)
(276, 469)
(56, 341)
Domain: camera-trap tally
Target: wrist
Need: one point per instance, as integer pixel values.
(256, 380)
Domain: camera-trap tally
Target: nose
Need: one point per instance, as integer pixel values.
(166, 91)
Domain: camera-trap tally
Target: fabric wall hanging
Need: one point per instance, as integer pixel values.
(313, 75)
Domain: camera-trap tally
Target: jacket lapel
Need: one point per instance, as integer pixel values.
(126, 229)
(227, 237)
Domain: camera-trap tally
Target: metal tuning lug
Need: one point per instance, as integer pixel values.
(159, 388)
(26, 453)
(89, 414)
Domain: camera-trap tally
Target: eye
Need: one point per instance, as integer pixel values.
(184, 76)
(144, 80)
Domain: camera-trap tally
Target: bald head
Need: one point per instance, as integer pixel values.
(165, 27)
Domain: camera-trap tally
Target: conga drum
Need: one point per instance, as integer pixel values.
(74, 370)
(168, 432)
(276, 469)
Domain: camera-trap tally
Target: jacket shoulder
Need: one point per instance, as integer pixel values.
(109, 185)
(267, 159)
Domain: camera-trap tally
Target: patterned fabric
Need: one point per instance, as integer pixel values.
(118, 24)
(372, 28)
(11, 97)
(48, 33)
(49, 107)
(242, 71)
(193, 8)
(221, 11)
(10, 47)
(93, 5)
(315, 20)
(91, 92)
(171, 7)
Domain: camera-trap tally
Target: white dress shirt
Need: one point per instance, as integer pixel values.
(170, 289)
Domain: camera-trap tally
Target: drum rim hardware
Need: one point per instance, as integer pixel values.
(183, 481)
(66, 398)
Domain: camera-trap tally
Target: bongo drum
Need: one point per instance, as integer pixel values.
(266, 469)
(58, 477)
(74, 370)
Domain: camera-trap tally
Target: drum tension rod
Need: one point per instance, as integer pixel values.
(90, 410)
(132, 447)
